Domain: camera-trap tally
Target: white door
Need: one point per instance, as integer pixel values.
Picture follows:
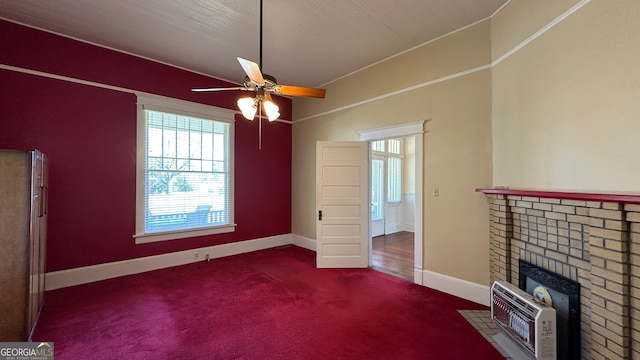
(377, 195)
(342, 204)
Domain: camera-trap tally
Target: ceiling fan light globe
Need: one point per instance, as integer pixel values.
(272, 110)
(248, 108)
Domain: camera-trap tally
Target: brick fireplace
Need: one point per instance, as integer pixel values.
(593, 239)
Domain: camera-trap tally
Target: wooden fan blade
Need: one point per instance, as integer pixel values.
(220, 89)
(253, 70)
(299, 91)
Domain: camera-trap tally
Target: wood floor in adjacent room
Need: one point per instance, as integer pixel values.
(393, 254)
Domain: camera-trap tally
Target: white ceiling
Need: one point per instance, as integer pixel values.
(305, 42)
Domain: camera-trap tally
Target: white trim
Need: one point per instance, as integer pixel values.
(458, 74)
(178, 234)
(417, 276)
(234, 82)
(418, 249)
(304, 242)
(380, 97)
(500, 8)
(471, 291)
(68, 79)
(88, 274)
(393, 131)
(543, 30)
(109, 87)
(413, 48)
(399, 91)
(117, 50)
(186, 108)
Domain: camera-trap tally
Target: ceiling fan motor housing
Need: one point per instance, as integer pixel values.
(269, 82)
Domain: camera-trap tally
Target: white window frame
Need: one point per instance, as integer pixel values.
(186, 108)
(386, 154)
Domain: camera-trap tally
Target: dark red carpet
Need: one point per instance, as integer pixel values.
(269, 304)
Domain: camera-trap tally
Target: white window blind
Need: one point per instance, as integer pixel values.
(378, 145)
(394, 179)
(395, 146)
(394, 171)
(186, 172)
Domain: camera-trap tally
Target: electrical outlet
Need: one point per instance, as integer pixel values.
(206, 257)
(196, 256)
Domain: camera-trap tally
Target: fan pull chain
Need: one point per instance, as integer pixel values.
(259, 126)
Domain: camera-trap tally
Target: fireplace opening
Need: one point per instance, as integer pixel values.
(561, 293)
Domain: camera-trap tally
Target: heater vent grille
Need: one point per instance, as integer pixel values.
(531, 325)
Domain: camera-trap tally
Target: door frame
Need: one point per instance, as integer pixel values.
(415, 129)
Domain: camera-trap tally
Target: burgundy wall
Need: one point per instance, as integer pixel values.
(89, 135)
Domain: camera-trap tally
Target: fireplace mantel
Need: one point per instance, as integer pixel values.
(618, 198)
(590, 238)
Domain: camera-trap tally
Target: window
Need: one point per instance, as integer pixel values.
(394, 172)
(391, 151)
(378, 145)
(184, 170)
(377, 189)
(394, 186)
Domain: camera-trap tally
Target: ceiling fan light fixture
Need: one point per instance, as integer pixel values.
(248, 107)
(264, 85)
(272, 110)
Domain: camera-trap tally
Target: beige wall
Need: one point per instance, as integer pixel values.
(457, 145)
(408, 165)
(520, 19)
(565, 106)
(557, 110)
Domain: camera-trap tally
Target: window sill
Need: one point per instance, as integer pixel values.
(181, 234)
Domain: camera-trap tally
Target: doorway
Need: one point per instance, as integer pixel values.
(395, 244)
(392, 203)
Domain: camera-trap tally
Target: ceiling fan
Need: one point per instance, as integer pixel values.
(264, 85)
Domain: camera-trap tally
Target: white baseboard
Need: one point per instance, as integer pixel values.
(417, 276)
(304, 242)
(406, 227)
(82, 275)
(461, 288)
(87, 274)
